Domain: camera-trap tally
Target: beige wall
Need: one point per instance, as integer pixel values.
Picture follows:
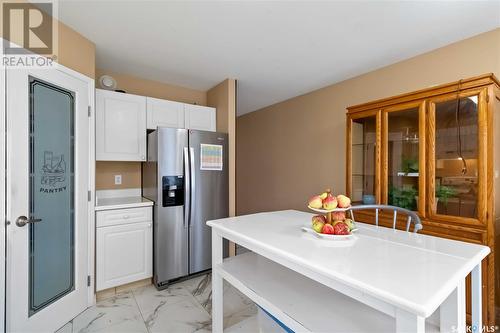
(135, 85)
(293, 149)
(76, 51)
(105, 172)
(223, 97)
(219, 97)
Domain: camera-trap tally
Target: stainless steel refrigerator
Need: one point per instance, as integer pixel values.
(186, 175)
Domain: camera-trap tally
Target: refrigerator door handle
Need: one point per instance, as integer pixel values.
(192, 179)
(187, 188)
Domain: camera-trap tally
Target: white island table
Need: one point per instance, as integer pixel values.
(383, 280)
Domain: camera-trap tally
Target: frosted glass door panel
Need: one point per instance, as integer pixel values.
(51, 263)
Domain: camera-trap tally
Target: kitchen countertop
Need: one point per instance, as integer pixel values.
(122, 202)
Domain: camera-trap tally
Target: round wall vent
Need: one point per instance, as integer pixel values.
(107, 82)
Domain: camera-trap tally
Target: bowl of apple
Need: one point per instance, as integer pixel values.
(332, 223)
(335, 230)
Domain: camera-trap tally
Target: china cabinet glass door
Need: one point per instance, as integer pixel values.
(457, 157)
(363, 181)
(403, 152)
(435, 153)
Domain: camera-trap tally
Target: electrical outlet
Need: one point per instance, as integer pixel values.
(118, 179)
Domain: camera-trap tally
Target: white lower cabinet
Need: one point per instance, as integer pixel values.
(124, 251)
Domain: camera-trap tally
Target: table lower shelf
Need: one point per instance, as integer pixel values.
(299, 302)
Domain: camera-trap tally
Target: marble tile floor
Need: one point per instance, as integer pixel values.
(183, 307)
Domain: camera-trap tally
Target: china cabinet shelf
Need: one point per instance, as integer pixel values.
(411, 141)
(406, 174)
(363, 144)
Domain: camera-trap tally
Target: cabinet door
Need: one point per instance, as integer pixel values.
(403, 137)
(457, 157)
(200, 117)
(164, 113)
(120, 126)
(363, 157)
(124, 254)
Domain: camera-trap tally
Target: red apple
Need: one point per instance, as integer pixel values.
(336, 222)
(327, 229)
(341, 229)
(338, 216)
(330, 202)
(343, 201)
(318, 226)
(315, 202)
(318, 218)
(324, 194)
(350, 224)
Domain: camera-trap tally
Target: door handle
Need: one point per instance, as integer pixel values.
(187, 187)
(192, 181)
(21, 221)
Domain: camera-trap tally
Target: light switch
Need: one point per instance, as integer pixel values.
(118, 179)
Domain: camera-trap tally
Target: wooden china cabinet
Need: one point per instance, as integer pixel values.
(435, 151)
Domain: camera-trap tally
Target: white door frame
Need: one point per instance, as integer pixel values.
(3, 148)
(4, 132)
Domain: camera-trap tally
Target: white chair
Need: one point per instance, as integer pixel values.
(412, 216)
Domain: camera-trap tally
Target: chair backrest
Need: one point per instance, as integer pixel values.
(412, 217)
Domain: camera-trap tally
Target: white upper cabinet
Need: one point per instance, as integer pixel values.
(200, 117)
(122, 121)
(120, 126)
(164, 113)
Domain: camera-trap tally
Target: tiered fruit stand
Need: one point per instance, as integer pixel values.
(328, 213)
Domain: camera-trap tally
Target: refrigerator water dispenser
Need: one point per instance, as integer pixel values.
(173, 191)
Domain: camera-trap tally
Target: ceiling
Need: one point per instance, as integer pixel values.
(276, 50)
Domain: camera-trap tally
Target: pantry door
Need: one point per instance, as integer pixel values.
(47, 205)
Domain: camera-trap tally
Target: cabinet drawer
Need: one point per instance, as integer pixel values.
(124, 216)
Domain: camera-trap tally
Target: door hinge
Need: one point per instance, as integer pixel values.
(89, 195)
(90, 110)
(88, 280)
